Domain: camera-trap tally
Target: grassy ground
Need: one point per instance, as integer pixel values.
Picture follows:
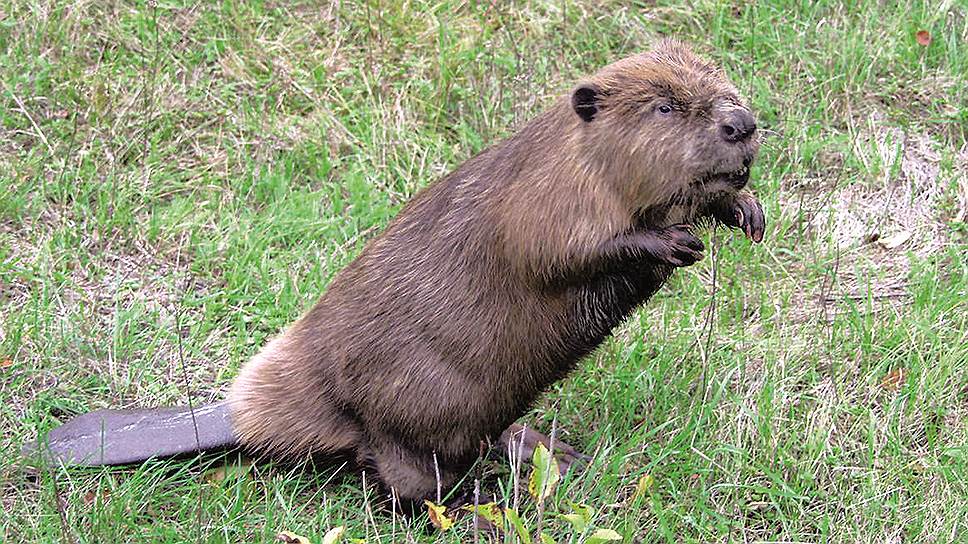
(200, 171)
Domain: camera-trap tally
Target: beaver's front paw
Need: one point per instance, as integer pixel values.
(746, 213)
(674, 245)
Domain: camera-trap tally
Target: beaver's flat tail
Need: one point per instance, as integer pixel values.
(119, 437)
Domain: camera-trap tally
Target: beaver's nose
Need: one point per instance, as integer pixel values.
(739, 126)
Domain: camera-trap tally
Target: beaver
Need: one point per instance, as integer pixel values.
(491, 284)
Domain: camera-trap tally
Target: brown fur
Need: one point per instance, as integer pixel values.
(496, 280)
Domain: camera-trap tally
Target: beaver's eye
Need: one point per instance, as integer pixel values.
(664, 108)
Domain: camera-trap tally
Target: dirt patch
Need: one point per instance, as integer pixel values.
(874, 225)
(903, 199)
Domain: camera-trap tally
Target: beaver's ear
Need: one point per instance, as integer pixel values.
(586, 101)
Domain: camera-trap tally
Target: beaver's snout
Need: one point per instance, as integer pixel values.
(739, 125)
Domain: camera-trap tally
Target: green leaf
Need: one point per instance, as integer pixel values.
(603, 535)
(576, 521)
(546, 539)
(518, 525)
(544, 475)
(586, 512)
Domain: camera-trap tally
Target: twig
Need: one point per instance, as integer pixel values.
(366, 503)
(437, 475)
(188, 387)
(477, 503)
(711, 314)
(516, 464)
(552, 465)
(394, 502)
(707, 325)
(191, 405)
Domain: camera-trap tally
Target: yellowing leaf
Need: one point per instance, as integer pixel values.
(490, 511)
(334, 535)
(288, 537)
(645, 484)
(603, 535)
(518, 525)
(438, 516)
(544, 475)
(546, 539)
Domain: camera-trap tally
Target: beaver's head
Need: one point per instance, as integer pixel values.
(664, 123)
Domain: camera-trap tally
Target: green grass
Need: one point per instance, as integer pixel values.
(199, 170)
